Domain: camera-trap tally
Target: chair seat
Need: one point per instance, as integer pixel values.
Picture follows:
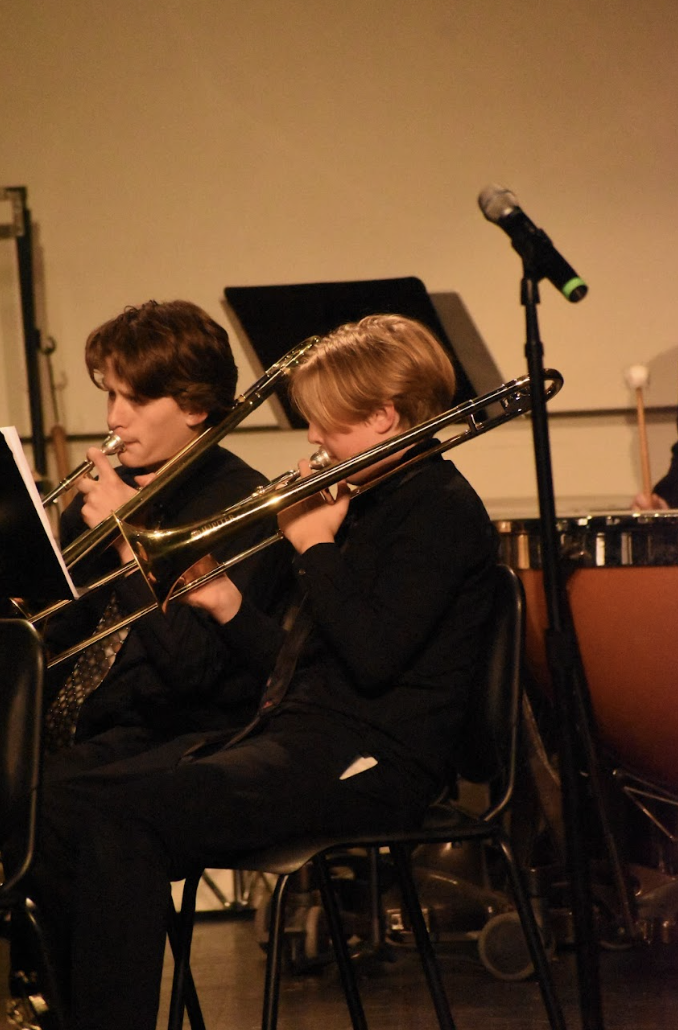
(288, 857)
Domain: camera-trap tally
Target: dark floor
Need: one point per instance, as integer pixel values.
(639, 988)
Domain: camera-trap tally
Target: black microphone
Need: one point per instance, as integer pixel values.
(500, 206)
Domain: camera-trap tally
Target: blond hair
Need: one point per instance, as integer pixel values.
(355, 369)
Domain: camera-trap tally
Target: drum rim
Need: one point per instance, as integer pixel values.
(612, 519)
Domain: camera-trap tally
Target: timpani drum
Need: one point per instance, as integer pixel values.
(622, 580)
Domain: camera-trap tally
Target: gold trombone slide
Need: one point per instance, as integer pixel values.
(167, 556)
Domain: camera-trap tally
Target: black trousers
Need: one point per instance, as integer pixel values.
(112, 838)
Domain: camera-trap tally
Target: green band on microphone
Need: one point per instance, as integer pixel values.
(572, 285)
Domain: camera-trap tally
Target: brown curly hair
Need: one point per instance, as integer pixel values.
(172, 349)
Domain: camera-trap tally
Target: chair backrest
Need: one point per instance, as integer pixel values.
(488, 744)
(21, 686)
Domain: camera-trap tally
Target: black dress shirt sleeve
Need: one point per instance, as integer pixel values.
(376, 624)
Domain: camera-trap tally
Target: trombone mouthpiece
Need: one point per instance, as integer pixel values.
(112, 444)
(320, 459)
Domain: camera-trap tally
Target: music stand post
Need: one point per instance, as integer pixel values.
(565, 670)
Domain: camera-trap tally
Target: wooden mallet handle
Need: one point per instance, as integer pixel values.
(637, 377)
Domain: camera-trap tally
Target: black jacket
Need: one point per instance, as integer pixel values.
(397, 604)
(173, 673)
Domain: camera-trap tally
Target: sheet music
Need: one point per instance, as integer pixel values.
(13, 441)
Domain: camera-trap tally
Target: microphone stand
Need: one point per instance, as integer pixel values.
(569, 688)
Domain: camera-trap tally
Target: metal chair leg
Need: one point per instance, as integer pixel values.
(532, 935)
(341, 953)
(276, 933)
(180, 933)
(424, 947)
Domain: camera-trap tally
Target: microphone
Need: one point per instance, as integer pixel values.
(500, 206)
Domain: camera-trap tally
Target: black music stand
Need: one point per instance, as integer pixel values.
(273, 319)
(30, 565)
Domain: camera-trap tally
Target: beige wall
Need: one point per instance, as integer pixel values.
(173, 148)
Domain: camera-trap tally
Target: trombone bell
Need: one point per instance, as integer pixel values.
(166, 556)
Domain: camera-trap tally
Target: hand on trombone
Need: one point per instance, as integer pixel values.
(313, 520)
(220, 597)
(105, 494)
(316, 519)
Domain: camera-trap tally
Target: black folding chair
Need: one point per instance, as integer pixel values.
(488, 756)
(21, 691)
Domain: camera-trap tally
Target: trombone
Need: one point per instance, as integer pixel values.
(167, 556)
